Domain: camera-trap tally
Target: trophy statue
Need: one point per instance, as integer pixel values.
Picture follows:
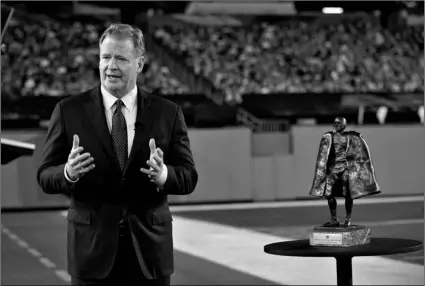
(343, 169)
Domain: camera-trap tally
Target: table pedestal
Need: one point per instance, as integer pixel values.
(344, 271)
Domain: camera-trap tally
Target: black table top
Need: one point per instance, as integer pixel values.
(377, 246)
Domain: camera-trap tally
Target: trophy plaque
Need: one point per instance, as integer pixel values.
(340, 236)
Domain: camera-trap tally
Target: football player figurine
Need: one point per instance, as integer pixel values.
(343, 169)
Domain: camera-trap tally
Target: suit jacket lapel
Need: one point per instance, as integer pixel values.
(144, 121)
(96, 111)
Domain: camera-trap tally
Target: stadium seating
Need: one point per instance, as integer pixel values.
(48, 57)
(339, 55)
(347, 54)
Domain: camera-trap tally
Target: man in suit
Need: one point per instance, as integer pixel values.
(117, 152)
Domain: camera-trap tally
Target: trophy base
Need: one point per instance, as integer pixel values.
(340, 236)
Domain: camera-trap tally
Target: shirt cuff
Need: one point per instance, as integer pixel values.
(163, 178)
(66, 176)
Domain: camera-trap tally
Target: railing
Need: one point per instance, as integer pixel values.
(261, 125)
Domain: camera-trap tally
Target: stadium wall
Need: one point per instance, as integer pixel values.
(237, 165)
(396, 151)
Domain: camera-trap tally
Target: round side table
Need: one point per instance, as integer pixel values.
(344, 255)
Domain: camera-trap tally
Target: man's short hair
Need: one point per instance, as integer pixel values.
(125, 30)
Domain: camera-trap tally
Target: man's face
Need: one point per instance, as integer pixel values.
(119, 65)
(339, 124)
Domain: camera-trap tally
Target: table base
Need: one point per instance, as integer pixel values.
(344, 271)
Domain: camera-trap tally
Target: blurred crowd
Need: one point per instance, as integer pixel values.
(347, 54)
(48, 57)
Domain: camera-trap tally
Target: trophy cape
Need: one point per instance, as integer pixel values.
(362, 180)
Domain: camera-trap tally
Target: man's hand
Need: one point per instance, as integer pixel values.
(155, 162)
(77, 164)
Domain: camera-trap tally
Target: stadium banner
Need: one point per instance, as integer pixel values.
(208, 20)
(242, 8)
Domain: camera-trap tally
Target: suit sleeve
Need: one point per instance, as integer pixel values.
(182, 176)
(50, 174)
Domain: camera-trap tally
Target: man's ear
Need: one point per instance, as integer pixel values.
(140, 64)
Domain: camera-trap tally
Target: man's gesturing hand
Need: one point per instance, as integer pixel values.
(156, 162)
(77, 164)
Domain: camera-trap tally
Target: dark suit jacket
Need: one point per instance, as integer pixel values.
(94, 212)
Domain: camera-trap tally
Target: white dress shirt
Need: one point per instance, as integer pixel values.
(130, 114)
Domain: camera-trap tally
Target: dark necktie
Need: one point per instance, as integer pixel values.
(119, 134)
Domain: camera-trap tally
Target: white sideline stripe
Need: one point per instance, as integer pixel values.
(242, 250)
(43, 260)
(13, 236)
(22, 244)
(302, 230)
(5, 231)
(46, 262)
(392, 222)
(304, 203)
(34, 252)
(365, 223)
(375, 223)
(62, 274)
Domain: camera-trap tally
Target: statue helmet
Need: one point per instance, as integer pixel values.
(340, 123)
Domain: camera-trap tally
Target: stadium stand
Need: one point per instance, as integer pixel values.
(261, 66)
(47, 57)
(345, 54)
